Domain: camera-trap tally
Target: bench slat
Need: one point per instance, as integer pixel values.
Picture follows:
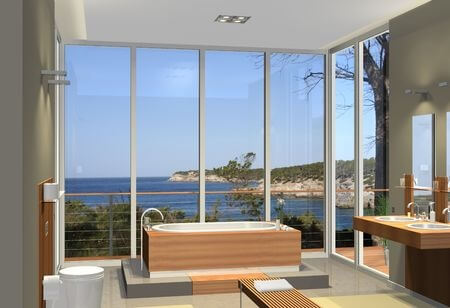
(277, 299)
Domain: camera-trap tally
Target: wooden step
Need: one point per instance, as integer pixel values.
(224, 283)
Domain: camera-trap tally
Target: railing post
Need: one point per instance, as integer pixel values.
(110, 214)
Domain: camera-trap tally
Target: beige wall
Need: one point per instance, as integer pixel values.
(11, 153)
(419, 59)
(38, 129)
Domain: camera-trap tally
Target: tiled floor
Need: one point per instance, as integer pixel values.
(344, 280)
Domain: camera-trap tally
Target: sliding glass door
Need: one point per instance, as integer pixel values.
(344, 151)
(360, 119)
(374, 135)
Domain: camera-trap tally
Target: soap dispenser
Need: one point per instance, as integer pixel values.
(447, 211)
(432, 212)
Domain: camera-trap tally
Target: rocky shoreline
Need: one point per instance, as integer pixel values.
(308, 188)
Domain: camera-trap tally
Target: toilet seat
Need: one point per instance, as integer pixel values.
(81, 272)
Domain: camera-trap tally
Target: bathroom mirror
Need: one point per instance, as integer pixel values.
(448, 144)
(423, 150)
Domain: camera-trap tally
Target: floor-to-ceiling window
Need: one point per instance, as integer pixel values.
(159, 118)
(97, 152)
(375, 130)
(234, 90)
(297, 104)
(167, 117)
(344, 151)
(360, 105)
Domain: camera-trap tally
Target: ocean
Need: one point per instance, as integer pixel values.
(188, 202)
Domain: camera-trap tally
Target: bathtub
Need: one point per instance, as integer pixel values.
(216, 226)
(216, 245)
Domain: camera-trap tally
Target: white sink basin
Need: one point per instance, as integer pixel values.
(429, 226)
(395, 218)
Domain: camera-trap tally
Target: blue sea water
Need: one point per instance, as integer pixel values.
(188, 202)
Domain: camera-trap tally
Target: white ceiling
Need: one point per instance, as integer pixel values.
(296, 24)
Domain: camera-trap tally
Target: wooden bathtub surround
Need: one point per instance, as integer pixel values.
(172, 251)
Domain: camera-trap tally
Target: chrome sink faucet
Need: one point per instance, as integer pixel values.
(416, 208)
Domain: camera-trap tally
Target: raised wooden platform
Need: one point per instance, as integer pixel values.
(138, 284)
(278, 299)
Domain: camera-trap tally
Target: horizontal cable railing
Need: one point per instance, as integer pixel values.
(209, 192)
(97, 224)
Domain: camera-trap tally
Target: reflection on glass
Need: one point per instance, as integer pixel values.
(345, 151)
(423, 152)
(234, 135)
(448, 152)
(375, 119)
(297, 144)
(167, 99)
(423, 144)
(448, 145)
(97, 152)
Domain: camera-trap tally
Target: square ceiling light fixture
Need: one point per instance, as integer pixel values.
(230, 19)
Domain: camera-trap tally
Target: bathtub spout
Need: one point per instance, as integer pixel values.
(152, 209)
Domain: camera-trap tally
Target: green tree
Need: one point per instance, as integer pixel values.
(238, 172)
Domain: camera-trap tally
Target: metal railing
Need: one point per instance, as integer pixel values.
(100, 227)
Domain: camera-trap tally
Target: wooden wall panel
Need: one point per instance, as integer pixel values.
(441, 197)
(409, 193)
(46, 249)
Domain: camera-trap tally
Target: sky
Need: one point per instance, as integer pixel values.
(167, 81)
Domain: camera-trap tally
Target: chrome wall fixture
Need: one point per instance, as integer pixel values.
(443, 84)
(57, 75)
(417, 92)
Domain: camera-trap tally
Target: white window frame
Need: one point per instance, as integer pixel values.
(357, 43)
(202, 102)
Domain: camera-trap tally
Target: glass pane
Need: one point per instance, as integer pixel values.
(97, 152)
(345, 151)
(423, 163)
(297, 144)
(375, 143)
(448, 145)
(448, 152)
(167, 86)
(234, 135)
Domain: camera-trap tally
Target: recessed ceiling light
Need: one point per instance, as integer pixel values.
(232, 19)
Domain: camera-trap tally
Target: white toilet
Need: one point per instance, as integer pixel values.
(74, 287)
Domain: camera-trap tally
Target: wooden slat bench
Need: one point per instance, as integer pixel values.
(277, 299)
(225, 283)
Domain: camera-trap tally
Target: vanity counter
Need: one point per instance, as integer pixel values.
(400, 232)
